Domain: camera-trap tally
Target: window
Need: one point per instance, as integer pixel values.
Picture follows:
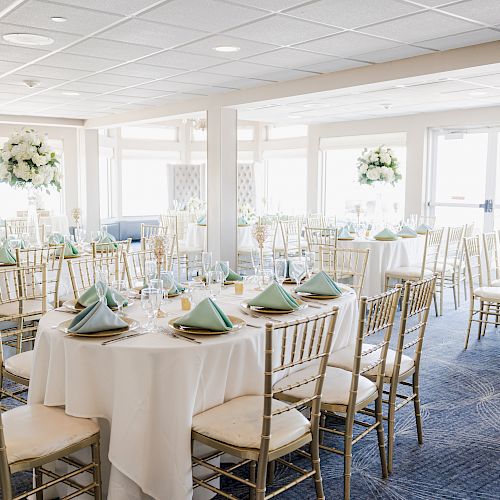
(343, 195)
(286, 132)
(150, 133)
(198, 135)
(245, 133)
(145, 181)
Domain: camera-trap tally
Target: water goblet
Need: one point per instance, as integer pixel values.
(215, 280)
(150, 298)
(309, 258)
(150, 270)
(222, 266)
(280, 268)
(119, 290)
(206, 262)
(101, 284)
(297, 269)
(197, 292)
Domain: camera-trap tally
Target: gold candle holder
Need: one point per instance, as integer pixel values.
(239, 288)
(185, 303)
(261, 232)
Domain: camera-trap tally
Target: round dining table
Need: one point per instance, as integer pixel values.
(145, 390)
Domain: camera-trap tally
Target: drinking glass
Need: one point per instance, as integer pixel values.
(197, 292)
(222, 266)
(150, 270)
(309, 258)
(95, 235)
(151, 301)
(280, 266)
(206, 262)
(101, 284)
(297, 270)
(119, 290)
(215, 280)
(255, 254)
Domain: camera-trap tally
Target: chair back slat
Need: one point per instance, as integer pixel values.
(473, 261)
(491, 257)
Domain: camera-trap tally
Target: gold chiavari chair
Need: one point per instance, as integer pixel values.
(345, 265)
(53, 258)
(487, 296)
(399, 367)
(33, 436)
(135, 265)
(449, 266)
(428, 267)
(82, 271)
(316, 220)
(150, 230)
(491, 258)
(18, 227)
(108, 249)
(261, 429)
(346, 393)
(23, 301)
(288, 241)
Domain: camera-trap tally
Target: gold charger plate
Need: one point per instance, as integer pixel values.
(74, 305)
(245, 306)
(4, 264)
(385, 239)
(72, 256)
(132, 325)
(404, 236)
(238, 323)
(346, 239)
(307, 295)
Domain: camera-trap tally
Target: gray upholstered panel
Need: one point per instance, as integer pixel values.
(246, 185)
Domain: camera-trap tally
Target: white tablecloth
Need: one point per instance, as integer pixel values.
(196, 236)
(385, 255)
(148, 388)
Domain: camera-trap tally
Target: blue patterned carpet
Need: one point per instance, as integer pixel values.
(460, 458)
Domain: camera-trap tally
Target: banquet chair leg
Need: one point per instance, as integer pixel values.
(441, 297)
(481, 320)
(469, 326)
(253, 478)
(260, 493)
(38, 483)
(435, 304)
(380, 436)
(455, 301)
(271, 469)
(416, 404)
(348, 455)
(315, 462)
(390, 427)
(96, 458)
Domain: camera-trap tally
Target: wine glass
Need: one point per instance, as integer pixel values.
(197, 292)
(215, 280)
(222, 266)
(150, 297)
(255, 255)
(280, 266)
(150, 270)
(119, 290)
(206, 262)
(309, 258)
(297, 270)
(101, 284)
(95, 235)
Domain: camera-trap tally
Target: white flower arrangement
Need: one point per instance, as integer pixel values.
(246, 214)
(27, 160)
(195, 205)
(378, 165)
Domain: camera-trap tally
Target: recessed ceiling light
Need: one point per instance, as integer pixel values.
(58, 19)
(27, 39)
(478, 92)
(71, 93)
(227, 48)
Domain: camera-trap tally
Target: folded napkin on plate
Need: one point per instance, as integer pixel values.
(96, 318)
(242, 221)
(320, 284)
(176, 288)
(107, 238)
(274, 297)
(386, 234)
(6, 256)
(90, 297)
(407, 232)
(423, 229)
(345, 234)
(59, 239)
(207, 315)
(351, 228)
(233, 276)
(202, 221)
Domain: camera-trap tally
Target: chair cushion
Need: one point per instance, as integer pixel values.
(239, 422)
(408, 272)
(20, 364)
(344, 358)
(29, 306)
(33, 431)
(336, 386)
(488, 292)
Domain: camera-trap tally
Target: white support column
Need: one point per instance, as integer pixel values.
(313, 193)
(91, 163)
(221, 183)
(416, 169)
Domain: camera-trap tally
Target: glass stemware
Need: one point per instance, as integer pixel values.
(119, 290)
(255, 254)
(101, 284)
(222, 266)
(198, 292)
(206, 262)
(280, 267)
(150, 270)
(297, 270)
(215, 280)
(309, 258)
(151, 299)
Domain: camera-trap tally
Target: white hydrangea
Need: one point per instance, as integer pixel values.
(374, 157)
(387, 174)
(38, 179)
(6, 155)
(4, 170)
(385, 158)
(22, 170)
(363, 168)
(373, 174)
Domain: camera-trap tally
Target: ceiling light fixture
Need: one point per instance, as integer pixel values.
(71, 93)
(27, 39)
(227, 48)
(31, 83)
(58, 19)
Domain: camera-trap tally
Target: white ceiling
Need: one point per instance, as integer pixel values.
(122, 55)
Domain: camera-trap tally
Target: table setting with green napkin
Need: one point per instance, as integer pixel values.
(69, 249)
(6, 255)
(386, 235)
(407, 232)
(90, 297)
(344, 234)
(320, 284)
(96, 318)
(423, 229)
(274, 297)
(207, 315)
(107, 238)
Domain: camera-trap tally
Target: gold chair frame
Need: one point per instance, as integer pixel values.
(135, 264)
(109, 249)
(295, 350)
(491, 258)
(19, 226)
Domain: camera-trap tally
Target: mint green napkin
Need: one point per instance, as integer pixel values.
(96, 318)
(207, 315)
(56, 239)
(69, 249)
(90, 297)
(176, 288)
(320, 284)
(345, 234)
(423, 229)
(407, 232)
(242, 221)
(274, 297)
(6, 256)
(351, 228)
(202, 221)
(233, 276)
(108, 238)
(386, 234)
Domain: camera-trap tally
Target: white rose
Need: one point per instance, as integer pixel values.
(6, 155)
(373, 174)
(38, 179)
(387, 173)
(363, 168)
(3, 171)
(23, 171)
(374, 157)
(385, 158)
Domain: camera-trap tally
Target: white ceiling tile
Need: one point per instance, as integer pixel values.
(348, 44)
(111, 99)
(8, 66)
(352, 13)
(118, 51)
(242, 69)
(285, 75)
(289, 58)
(182, 60)
(202, 78)
(462, 40)
(146, 71)
(401, 52)
(333, 65)
(45, 83)
(36, 14)
(139, 93)
(19, 54)
(60, 39)
(16, 88)
(421, 26)
(38, 71)
(282, 30)
(82, 86)
(485, 11)
(270, 5)
(115, 6)
(206, 15)
(247, 47)
(112, 79)
(170, 86)
(73, 61)
(143, 32)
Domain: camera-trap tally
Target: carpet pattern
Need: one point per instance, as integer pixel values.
(460, 458)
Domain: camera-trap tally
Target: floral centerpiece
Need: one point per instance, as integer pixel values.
(246, 215)
(378, 165)
(28, 161)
